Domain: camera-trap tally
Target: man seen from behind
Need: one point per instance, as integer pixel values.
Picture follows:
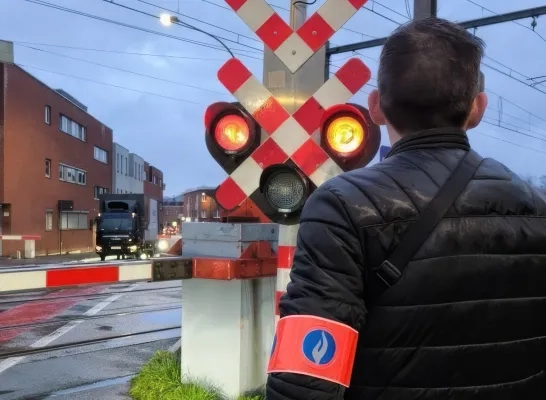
(465, 317)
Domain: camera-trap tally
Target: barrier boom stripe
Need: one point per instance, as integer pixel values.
(295, 48)
(54, 277)
(289, 136)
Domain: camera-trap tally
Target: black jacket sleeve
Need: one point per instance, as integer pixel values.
(326, 281)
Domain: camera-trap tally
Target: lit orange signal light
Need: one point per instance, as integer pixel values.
(345, 135)
(232, 133)
(349, 136)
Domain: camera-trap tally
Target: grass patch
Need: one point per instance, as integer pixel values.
(160, 379)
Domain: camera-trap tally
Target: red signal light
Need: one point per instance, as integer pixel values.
(232, 133)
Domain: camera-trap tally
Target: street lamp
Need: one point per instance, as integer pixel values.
(168, 20)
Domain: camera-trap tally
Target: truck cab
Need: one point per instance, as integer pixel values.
(121, 227)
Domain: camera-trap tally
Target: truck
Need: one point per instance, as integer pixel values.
(127, 225)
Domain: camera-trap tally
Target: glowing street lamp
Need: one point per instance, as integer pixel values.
(167, 19)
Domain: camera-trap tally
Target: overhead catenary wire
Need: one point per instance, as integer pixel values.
(127, 71)
(118, 23)
(179, 23)
(133, 53)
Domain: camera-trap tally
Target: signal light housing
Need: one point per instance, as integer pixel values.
(231, 134)
(349, 136)
(284, 189)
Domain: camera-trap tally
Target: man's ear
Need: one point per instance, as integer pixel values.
(477, 110)
(376, 114)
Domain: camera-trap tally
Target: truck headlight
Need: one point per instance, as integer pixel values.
(163, 245)
(133, 248)
(98, 248)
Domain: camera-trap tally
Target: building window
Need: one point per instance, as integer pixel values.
(203, 197)
(47, 115)
(203, 213)
(145, 176)
(126, 165)
(100, 190)
(72, 175)
(156, 180)
(217, 213)
(48, 168)
(74, 220)
(117, 162)
(73, 128)
(101, 155)
(49, 220)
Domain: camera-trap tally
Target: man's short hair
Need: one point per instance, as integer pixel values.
(429, 74)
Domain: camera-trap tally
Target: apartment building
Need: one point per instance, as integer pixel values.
(55, 158)
(132, 174)
(128, 175)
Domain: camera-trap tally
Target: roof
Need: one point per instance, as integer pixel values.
(199, 189)
(55, 92)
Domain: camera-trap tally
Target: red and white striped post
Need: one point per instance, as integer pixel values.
(288, 235)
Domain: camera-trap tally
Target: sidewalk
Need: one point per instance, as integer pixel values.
(39, 260)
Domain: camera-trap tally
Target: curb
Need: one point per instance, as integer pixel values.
(175, 347)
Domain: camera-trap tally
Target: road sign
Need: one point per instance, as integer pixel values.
(288, 136)
(294, 48)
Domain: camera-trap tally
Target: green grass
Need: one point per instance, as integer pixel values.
(160, 379)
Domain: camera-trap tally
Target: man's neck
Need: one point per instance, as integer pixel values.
(393, 135)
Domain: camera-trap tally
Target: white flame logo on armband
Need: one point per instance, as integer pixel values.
(319, 347)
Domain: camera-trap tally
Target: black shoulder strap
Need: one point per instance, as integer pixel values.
(391, 269)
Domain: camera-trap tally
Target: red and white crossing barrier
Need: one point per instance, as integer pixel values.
(55, 276)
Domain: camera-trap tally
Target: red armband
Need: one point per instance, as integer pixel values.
(315, 347)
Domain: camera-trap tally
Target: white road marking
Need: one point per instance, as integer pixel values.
(43, 342)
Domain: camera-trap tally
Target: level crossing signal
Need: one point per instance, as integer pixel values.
(276, 158)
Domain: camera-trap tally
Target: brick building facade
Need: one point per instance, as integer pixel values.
(199, 206)
(51, 149)
(173, 210)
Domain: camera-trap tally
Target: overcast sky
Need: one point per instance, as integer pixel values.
(152, 90)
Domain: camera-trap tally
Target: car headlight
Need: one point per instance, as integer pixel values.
(163, 245)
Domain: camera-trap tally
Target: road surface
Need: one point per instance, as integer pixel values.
(86, 342)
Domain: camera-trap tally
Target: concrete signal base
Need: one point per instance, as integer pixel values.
(227, 325)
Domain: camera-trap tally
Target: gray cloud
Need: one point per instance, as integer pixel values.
(169, 133)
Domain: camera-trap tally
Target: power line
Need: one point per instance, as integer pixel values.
(127, 52)
(120, 51)
(199, 20)
(506, 141)
(124, 70)
(514, 22)
(108, 84)
(76, 12)
(182, 24)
